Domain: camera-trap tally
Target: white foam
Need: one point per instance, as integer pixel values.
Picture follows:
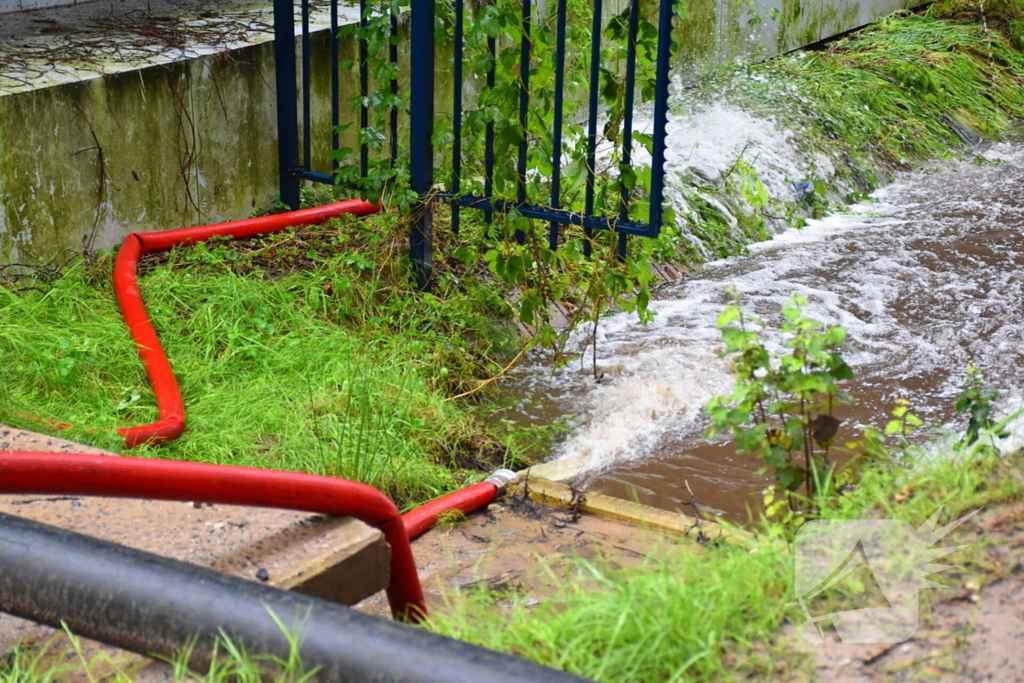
(1011, 407)
(924, 278)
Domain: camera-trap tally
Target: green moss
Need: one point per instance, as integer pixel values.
(45, 166)
(799, 24)
(695, 36)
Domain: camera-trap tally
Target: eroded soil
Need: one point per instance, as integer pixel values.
(972, 630)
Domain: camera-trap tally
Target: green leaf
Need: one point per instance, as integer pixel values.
(980, 414)
(734, 338)
(748, 441)
(789, 478)
(646, 140)
(776, 457)
(643, 299)
(488, 21)
(841, 370)
(515, 269)
(609, 86)
(627, 176)
(837, 335)
(730, 314)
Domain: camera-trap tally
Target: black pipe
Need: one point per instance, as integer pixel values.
(155, 606)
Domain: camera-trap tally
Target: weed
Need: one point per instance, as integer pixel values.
(63, 657)
(782, 408)
(893, 93)
(685, 615)
(977, 401)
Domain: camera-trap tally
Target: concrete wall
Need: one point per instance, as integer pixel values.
(192, 142)
(86, 162)
(19, 5)
(718, 31)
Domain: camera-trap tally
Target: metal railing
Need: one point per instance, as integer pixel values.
(422, 93)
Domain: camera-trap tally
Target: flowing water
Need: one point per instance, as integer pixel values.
(926, 277)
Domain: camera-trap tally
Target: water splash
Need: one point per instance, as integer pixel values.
(925, 278)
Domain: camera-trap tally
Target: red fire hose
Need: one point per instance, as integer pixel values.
(165, 387)
(81, 474)
(121, 477)
(423, 518)
(48, 473)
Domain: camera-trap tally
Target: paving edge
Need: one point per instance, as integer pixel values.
(563, 496)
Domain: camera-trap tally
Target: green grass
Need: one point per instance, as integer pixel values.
(895, 93)
(719, 613)
(342, 369)
(63, 657)
(336, 368)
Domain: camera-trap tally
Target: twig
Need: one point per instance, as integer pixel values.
(492, 379)
(736, 163)
(101, 192)
(702, 538)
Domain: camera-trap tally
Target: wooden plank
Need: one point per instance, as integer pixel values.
(562, 495)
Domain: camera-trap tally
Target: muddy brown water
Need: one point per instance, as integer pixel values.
(926, 277)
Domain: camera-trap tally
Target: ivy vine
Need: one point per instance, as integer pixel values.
(584, 277)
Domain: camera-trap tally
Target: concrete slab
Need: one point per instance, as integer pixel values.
(337, 558)
(42, 45)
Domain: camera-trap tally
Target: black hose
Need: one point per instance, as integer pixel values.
(156, 606)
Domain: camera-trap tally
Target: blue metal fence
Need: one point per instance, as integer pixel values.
(423, 62)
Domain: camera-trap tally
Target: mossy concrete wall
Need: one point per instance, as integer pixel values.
(84, 163)
(713, 32)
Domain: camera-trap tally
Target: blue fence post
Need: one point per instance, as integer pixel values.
(456, 185)
(492, 49)
(393, 58)
(627, 126)
(335, 87)
(556, 144)
(364, 92)
(666, 13)
(307, 134)
(287, 109)
(595, 88)
(421, 132)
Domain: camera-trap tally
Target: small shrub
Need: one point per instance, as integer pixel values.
(782, 409)
(976, 400)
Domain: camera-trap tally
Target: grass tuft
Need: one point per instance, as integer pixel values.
(722, 612)
(303, 351)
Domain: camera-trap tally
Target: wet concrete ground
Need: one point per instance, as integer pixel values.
(500, 546)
